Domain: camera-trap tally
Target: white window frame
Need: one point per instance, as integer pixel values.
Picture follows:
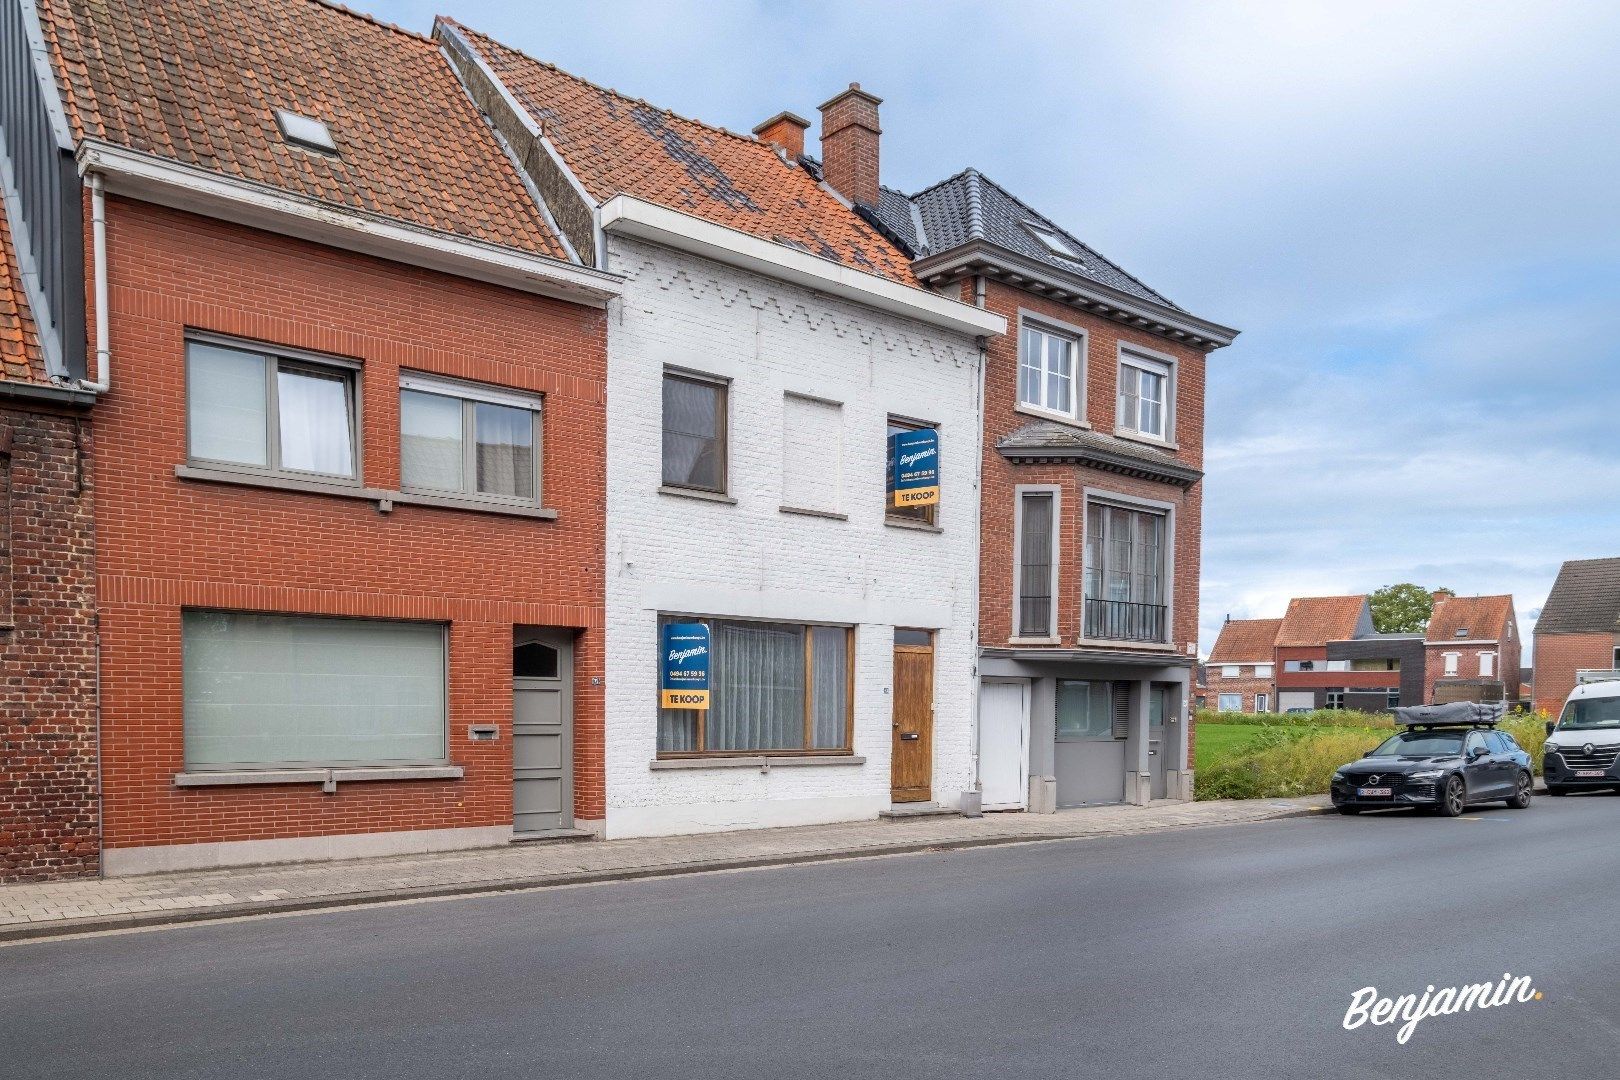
(469, 394)
(1156, 363)
(1222, 706)
(1262, 703)
(1487, 665)
(1019, 492)
(1452, 659)
(1231, 671)
(274, 357)
(1263, 671)
(1079, 342)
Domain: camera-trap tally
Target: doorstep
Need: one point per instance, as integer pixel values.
(907, 811)
(552, 836)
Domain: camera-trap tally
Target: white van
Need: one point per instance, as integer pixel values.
(1583, 745)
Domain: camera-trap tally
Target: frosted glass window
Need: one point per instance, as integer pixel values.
(430, 441)
(227, 400)
(270, 691)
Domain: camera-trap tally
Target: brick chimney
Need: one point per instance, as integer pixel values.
(849, 144)
(785, 130)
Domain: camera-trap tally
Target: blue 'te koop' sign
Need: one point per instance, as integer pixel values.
(685, 670)
(914, 467)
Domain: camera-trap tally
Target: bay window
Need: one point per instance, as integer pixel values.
(468, 439)
(779, 688)
(1125, 574)
(264, 412)
(286, 691)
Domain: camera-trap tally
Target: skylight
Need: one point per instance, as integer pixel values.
(1052, 241)
(1461, 632)
(305, 131)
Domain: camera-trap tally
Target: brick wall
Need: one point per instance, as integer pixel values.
(48, 819)
(1246, 685)
(165, 544)
(1559, 656)
(1001, 477)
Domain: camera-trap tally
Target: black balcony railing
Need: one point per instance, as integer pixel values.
(1123, 620)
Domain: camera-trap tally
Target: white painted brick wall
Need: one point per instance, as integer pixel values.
(668, 553)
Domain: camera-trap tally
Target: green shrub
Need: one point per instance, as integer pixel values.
(1529, 730)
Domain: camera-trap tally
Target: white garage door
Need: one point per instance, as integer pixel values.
(1290, 700)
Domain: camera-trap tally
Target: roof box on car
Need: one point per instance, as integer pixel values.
(1454, 714)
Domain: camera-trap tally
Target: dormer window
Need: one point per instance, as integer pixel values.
(1053, 242)
(305, 131)
(1462, 631)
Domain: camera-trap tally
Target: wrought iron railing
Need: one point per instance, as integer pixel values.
(1124, 620)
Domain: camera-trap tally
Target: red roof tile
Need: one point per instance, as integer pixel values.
(1482, 617)
(1245, 641)
(199, 81)
(620, 145)
(1317, 620)
(21, 359)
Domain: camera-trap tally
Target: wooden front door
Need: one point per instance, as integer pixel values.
(911, 776)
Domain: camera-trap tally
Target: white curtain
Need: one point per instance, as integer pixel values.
(315, 431)
(757, 687)
(430, 441)
(505, 450)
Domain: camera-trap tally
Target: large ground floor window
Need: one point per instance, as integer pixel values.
(773, 687)
(281, 691)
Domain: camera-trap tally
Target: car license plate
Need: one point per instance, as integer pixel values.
(1589, 772)
(1374, 792)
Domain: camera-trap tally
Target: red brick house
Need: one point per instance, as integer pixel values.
(1472, 649)
(350, 477)
(1243, 666)
(48, 807)
(1092, 501)
(1578, 629)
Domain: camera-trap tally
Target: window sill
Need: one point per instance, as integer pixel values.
(1147, 440)
(696, 493)
(246, 777)
(1106, 643)
(1049, 414)
(754, 762)
(385, 500)
(804, 511)
(1034, 641)
(915, 526)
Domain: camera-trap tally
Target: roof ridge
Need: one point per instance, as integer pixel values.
(368, 17)
(920, 192)
(749, 139)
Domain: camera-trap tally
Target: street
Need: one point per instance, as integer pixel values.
(1208, 952)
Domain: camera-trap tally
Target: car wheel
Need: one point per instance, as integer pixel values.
(1349, 810)
(1523, 792)
(1454, 799)
(1557, 789)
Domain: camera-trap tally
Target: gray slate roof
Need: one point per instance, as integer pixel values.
(1585, 599)
(1049, 440)
(970, 206)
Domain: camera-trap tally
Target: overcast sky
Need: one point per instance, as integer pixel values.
(1412, 212)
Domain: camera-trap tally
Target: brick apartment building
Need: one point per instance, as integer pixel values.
(1092, 495)
(1329, 657)
(1472, 649)
(350, 428)
(1578, 629)
(1242, 667)
(49, 817)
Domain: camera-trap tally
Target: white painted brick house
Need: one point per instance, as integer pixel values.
(784, 355)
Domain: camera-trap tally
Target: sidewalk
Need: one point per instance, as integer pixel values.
(54, 908)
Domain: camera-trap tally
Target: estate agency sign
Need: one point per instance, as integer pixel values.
(914, 467)
(684, 680)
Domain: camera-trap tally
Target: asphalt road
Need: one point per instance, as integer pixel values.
(1216, 952)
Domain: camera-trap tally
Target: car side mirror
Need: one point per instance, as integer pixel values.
(1477, 752)
(1552, 725)
(1370, 753)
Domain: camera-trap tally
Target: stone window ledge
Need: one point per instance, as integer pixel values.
(327, 777)
(385, 500)
(915, 526)
(697, 493)
(758, 761)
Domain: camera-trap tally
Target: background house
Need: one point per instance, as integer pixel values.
(1329, 657)
(1242, 666)
(1472, 649)
(1579, 628)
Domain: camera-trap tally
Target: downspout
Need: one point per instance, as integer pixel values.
(98, 233)
(978, 534)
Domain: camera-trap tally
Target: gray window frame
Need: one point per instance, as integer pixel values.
(1020, 492)
(471, 395)
(906, 515)
(263, 766)
(723, 437)
(275, 357)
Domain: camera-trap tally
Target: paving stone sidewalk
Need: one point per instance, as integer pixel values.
(102, 904)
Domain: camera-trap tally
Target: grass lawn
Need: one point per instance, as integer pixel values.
(1218, 741)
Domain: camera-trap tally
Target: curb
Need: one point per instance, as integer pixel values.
(135, 920)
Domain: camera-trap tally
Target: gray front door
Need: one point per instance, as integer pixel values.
(1158, 743)
(542, 731)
